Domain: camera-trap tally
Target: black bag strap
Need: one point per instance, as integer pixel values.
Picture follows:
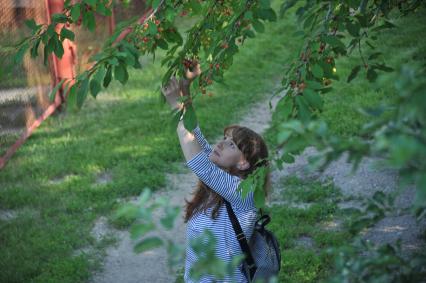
(241, 239)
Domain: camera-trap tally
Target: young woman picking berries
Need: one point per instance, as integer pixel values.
(220, 170)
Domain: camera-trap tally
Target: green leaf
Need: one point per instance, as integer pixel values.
(249, 33)
(303, 110)
(45, 55)
(59, 18)
(55, 90)
(284, 107)
(103, 10)
(287, 158)
(258, 26)
(108, 76)
(353, 73)
(369, 44)
(139, 230)
(353, 28)
(334, 41)
(34, 48)
(283, 135)
(72, 98)
(113, 61)
(21, 52)
(383, 67)
(313, 98)
(50, 46)
(265, 4)
(90, 2)
(313, 85)
(259, 197)
(148, 244)
(152, 28)
(121, 74)
(294, 125)
(371, 75)
(267, 14)
(95, 87)
(248, 15)
(82, 92)
(317, 71)
(89, 20)
(170, 14)
(189, 118)
(195, 5)
(171, 214)
(66, 33)
(50, 31)
(31, 24)
(58, 48)
(386, 25)
(162, 44)
(127, 57)
(295, 145)
(374, 55)
(75, 12)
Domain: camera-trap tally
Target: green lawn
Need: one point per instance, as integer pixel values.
(302, 230)
(51, 181)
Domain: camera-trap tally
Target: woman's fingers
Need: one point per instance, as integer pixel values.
(191, 75)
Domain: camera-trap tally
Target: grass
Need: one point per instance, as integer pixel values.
(51, 183)
(302, 232)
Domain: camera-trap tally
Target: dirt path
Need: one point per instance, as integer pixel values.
(123, 265)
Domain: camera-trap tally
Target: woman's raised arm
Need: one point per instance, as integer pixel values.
(191, 144)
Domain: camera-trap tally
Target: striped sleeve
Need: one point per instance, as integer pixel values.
(220, 181)
(202, 140)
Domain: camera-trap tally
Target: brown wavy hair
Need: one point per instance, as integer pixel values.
(255, 152)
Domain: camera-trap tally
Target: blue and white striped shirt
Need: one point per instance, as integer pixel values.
(225, 185)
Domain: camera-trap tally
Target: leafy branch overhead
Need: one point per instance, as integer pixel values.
(330, 30)
(223, 27)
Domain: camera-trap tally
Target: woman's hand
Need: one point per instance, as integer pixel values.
(190, 75)
(174, 89)
(194, 72)
(171, 92)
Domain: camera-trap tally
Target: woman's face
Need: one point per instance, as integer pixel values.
(226, 154)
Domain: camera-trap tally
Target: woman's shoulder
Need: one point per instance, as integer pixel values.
(247, 209)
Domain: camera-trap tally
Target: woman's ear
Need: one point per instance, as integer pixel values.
(243, 165)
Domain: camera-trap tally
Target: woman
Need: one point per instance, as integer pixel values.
(220, 170)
